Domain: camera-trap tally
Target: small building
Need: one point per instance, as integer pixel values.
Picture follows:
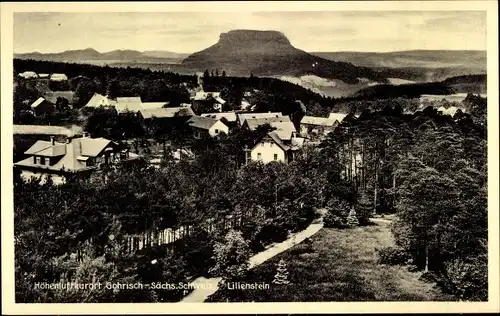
(337, 118)
(316, 127)
(47, 130)
(273, 148)
(28, 75)
(58, 77)
(42, 107)
(165, 113)
(244, 116)
(76, 156)
(228, 118)
(128, 104)
(154, 105)
(206, 101)
(99, 100)
(451, 111)
(253, 123)
(53, 96)
(207, 126)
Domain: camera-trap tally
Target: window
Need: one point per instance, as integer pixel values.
(259, 156)
(275, 156)
(272, 144)
(38, 160)
(216, 131)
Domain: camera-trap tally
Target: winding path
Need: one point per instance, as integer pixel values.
(204, 287)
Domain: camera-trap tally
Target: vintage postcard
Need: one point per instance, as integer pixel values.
(319, 156)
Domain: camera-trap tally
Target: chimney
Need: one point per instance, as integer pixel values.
(85, 134)
(52, 140)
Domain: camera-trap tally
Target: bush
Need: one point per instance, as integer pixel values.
(364, 210)
(469, 278)
(334, 221)
(392, 256)
(338, 210)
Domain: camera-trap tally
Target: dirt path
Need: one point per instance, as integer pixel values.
(204, 287)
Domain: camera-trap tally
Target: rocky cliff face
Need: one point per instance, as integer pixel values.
(270, 53)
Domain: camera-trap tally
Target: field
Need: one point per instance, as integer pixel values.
(337, 265)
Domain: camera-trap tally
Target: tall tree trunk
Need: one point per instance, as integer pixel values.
(376, 188)
(426, 269)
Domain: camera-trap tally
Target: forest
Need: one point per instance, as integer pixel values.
(427, 168)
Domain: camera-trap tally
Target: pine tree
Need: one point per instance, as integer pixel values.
(352, 218)
(281, 276)
(364, 209)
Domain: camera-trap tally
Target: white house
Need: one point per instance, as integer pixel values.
(28, 75)
(58, 77)
(206, 125)
(273, 148)
(77, 156)
(451, 111)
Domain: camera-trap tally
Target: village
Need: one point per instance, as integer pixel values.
(61, 149)
(166, 176)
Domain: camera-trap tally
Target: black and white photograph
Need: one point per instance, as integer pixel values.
(250, 156)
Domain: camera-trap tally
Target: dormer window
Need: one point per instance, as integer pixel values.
(38, 160)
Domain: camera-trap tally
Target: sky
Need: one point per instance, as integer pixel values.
(188, 32)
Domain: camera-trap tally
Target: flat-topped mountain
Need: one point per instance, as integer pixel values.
(270, 53)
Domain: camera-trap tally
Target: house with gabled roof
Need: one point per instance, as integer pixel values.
(242, 117)
(274, 148)
(337, 117)
(166, 113)
(28, 75)
(42, 107)
(77, 156)
(228, 118)
(316, 127)
(58, 77)
(99, 100)
(204, 100)
(207, 126)
(128, 104)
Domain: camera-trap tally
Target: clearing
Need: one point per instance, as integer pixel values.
(336, 265)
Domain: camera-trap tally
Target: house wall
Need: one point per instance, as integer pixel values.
(218, 128)
(307, 129)
(27, 175)
(44, 108)
(267, 149)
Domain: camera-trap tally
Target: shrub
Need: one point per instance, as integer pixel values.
(392, 256)
(469, 278)
(364, 210)
(334, 221)
(336, 217)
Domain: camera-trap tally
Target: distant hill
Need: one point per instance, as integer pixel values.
(90, 54)
(461, 84)
(417, 65)
(164, 54)
(416, 58)
(270, 53)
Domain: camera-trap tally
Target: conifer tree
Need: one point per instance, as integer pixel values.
(281, 276)
(352, 218)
